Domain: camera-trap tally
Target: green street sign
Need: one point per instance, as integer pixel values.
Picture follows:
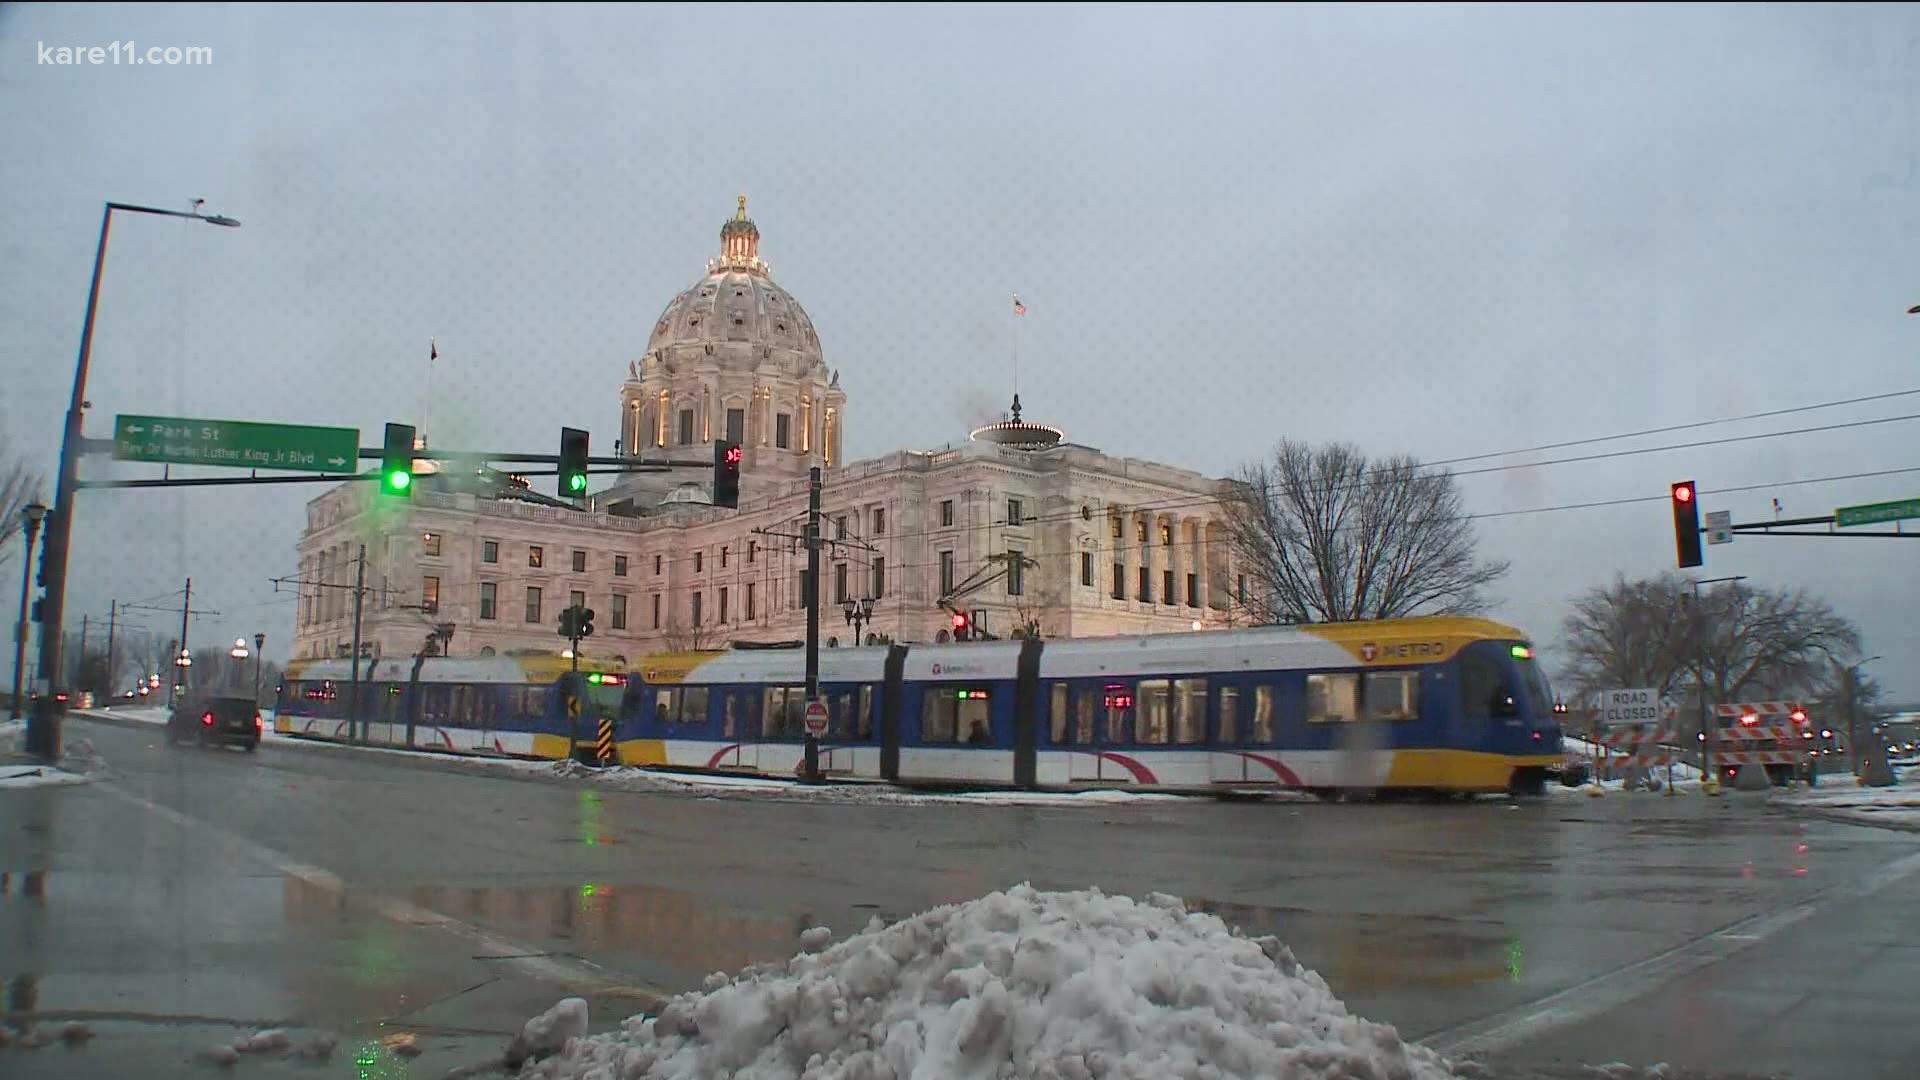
(238, 444)
(1876, 513)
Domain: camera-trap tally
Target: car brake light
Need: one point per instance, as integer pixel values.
(207, 719)
(258, 724)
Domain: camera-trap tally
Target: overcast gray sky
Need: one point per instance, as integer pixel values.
(1425, 229)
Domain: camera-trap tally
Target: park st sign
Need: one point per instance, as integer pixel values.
(239, 444)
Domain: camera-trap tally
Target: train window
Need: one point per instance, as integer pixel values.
(1263, 714)
(1333, 699)
(962, 716)
(750, 702)
(1393, 695)
(1058, 723)
(864, 722)
(533, 700)
(1156, 711)
(1084, 702)
(1482, 686)
(775, 700)
(841, 714)
(1118, 699)
(693, 705)
(666, 704)
(730, 716)
(1190, 711)
(1229, 713)
(462, 705)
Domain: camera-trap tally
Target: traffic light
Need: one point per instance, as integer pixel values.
(566, 622)
(583, 622)
(1686, 523)
(726, 474)
(573, 463)
(396, 461)
(959, 626)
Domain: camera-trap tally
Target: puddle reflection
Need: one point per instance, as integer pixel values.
(680, 930)
(1373, 953)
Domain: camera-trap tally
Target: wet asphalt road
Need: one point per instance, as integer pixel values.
(364, 895)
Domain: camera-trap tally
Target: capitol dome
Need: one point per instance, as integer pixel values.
(735, 302)
(735, 357)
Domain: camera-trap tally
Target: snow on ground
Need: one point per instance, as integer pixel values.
(1047, 985)
(13, 777)
(1840, 795)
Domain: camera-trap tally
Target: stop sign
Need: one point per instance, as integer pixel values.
(816, 718)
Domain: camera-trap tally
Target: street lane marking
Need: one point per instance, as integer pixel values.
(579, 974)
(1603, 993)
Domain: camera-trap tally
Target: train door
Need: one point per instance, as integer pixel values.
(733, 751)
(1227, 764)
(892, 701)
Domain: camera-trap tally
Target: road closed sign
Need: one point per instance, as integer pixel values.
(1629, 707)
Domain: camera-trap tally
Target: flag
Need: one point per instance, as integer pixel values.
(1018, 307)
(433, 350)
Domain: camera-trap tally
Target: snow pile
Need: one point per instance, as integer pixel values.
(1022, 983)
(26, 776)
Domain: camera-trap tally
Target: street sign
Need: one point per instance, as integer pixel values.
(1875, 513)
(816, 718)
(1640, 706)
(239, 444)
(1720, 527)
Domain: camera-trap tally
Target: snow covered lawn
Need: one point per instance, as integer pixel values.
(1840, 796)
(1043, 985)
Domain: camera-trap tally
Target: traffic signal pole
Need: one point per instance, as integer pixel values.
(812, 764)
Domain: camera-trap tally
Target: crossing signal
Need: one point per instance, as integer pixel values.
(726, 474)
(573, 463)
(1686, 524)
(583, 622)
(959, 626)
(396, 461)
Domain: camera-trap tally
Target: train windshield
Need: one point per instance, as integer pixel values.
(1539, 692)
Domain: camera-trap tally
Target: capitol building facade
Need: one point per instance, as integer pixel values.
(1014, 529)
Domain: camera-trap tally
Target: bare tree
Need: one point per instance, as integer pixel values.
(1328, 536)
(682, 637)
(19, 485)
(1628, 634)
(147, 651)
(1745, 644)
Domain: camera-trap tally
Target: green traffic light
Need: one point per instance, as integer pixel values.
(399, 481)
(577, 482)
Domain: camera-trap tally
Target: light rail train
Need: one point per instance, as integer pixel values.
(1439, 704)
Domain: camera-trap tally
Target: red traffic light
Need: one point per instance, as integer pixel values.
(1683, 492)
(733, 455)
(959, 621)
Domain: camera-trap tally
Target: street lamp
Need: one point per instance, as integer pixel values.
(31, 516)
(43, 731)
(1849, 693)
(1709, 783)
(259, 647)
(859, 613)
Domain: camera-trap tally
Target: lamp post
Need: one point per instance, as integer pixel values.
(859, 613)
(259, 646)
(1849, 694)
(43, 730)
(1709, 783)
(31, 516)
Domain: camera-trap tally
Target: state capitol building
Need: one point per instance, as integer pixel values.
(1015, 526)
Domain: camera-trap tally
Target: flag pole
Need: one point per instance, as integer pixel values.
(426, 418)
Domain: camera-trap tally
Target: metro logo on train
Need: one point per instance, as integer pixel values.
(1441, 703)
